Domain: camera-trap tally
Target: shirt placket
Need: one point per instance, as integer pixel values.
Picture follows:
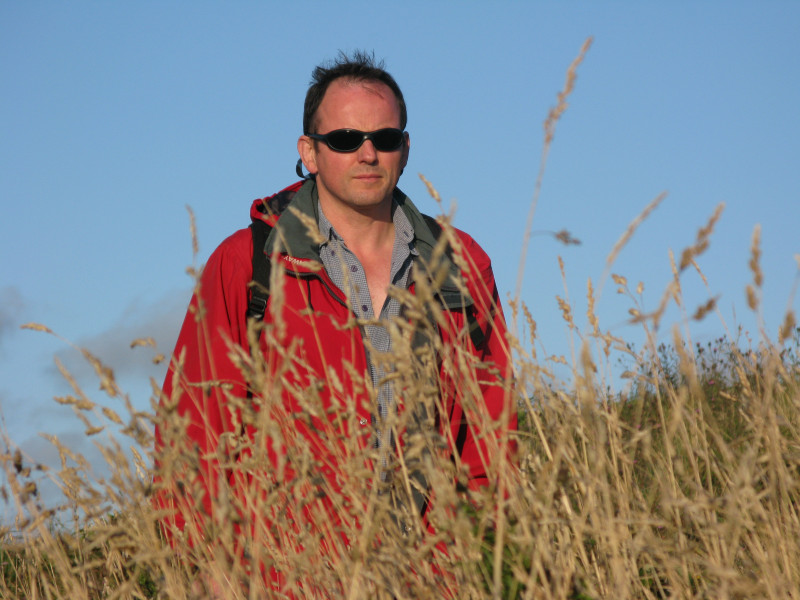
(347, 273)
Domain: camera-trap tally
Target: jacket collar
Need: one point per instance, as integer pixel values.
(294, 238)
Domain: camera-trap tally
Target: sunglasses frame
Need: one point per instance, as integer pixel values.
(365, 135)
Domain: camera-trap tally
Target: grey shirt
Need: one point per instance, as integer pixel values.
(346, 271)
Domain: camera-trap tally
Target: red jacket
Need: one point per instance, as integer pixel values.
(308, 323)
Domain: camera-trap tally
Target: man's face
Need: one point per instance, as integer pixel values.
(364, 179)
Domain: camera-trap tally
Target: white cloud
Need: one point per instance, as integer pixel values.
(160, 321)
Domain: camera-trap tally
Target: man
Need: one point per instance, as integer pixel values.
(360, 356)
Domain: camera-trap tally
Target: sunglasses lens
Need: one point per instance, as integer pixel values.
(345, 140)
(386, 140)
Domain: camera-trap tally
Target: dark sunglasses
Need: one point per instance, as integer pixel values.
(350, 140)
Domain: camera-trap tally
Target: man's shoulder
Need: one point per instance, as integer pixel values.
(239, 242)
(234, 254)
(420, 219)
(236, 251)
(477, 255)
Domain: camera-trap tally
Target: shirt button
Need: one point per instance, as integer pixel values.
(364, 307)
(353, 268)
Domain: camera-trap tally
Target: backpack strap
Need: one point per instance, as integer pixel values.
(476, 334)
(271, 207)
(259, 290)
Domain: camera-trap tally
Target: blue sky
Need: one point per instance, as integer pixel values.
(115, 117)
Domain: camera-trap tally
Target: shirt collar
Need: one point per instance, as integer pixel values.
(403, 230)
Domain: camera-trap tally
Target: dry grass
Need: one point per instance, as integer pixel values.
(684, 486)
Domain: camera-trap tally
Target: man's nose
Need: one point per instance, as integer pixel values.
(367, 152)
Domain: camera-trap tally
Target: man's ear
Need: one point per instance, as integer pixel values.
(405, 150)
(305, 148)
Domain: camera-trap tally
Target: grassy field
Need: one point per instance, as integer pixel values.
(684, 485)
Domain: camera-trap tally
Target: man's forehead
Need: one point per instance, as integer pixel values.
(344, 95)
(350, 85)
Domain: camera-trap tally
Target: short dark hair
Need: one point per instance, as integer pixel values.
(361, 66)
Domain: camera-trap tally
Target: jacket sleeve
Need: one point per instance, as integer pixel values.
(495, 408)
(193, 411)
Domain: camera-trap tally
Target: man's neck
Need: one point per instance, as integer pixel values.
(369, 235)
(363, 231)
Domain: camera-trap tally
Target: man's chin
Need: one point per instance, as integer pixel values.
(371, 191)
